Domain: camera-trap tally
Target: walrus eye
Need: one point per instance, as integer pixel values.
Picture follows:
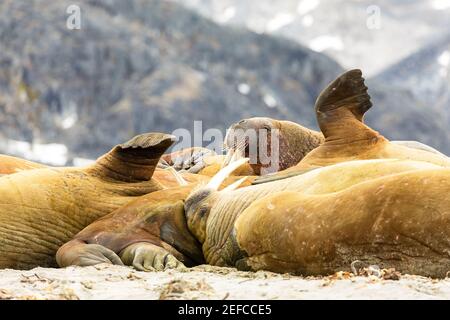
(202, 211)
(195, 198)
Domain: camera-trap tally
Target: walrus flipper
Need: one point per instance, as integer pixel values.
(136, 159)
(347, 91)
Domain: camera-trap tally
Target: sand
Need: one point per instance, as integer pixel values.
(206, 282)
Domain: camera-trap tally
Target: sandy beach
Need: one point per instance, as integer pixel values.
(206, 282)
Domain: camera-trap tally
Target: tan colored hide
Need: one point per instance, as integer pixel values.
(400, 220)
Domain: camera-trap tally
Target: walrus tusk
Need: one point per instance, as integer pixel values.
(220, 176)
(177, 176)
(234, 185)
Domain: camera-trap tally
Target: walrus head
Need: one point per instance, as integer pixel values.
(200, 201)
(271, 145)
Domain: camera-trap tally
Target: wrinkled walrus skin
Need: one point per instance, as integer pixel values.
(402, 203)
(235, 229)
(154, 221)
(43, 208)
(147, 233)
(400, 220)
(380, 214)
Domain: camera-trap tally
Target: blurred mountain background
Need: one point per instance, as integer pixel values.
(151, 65)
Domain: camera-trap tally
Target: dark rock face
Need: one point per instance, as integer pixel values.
(140, 66)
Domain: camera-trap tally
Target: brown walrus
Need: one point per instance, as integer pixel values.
(340, 110)
(10, 165)
(154, 222)
(149, 233)
(223, 222)
(43, 208)
(393, 213)
(248, 138)
(253, 138)
(311, 224)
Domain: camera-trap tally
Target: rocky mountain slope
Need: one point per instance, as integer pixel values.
(139, 66)
(368, 34)
(420, 84)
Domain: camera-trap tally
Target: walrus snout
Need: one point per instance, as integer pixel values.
(247, 132)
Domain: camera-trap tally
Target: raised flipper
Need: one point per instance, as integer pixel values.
(341, 103)
(135, 160)
(347, 91)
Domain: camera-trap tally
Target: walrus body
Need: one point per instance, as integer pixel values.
(10, 165)
(401, 220)
(372, 210)
(340, 110)
(392, 212)
(342, 201)
(148, 233)
(359, 210)
(252, 138)
(43, 208)
(154, 221)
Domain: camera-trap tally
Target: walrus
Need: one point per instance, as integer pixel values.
(340, 110)
(294, 143)
(251, 138)
(311, 224)
(45, 207)
(148, 233)
(389, 212)
(166, 177)
(212, 216)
